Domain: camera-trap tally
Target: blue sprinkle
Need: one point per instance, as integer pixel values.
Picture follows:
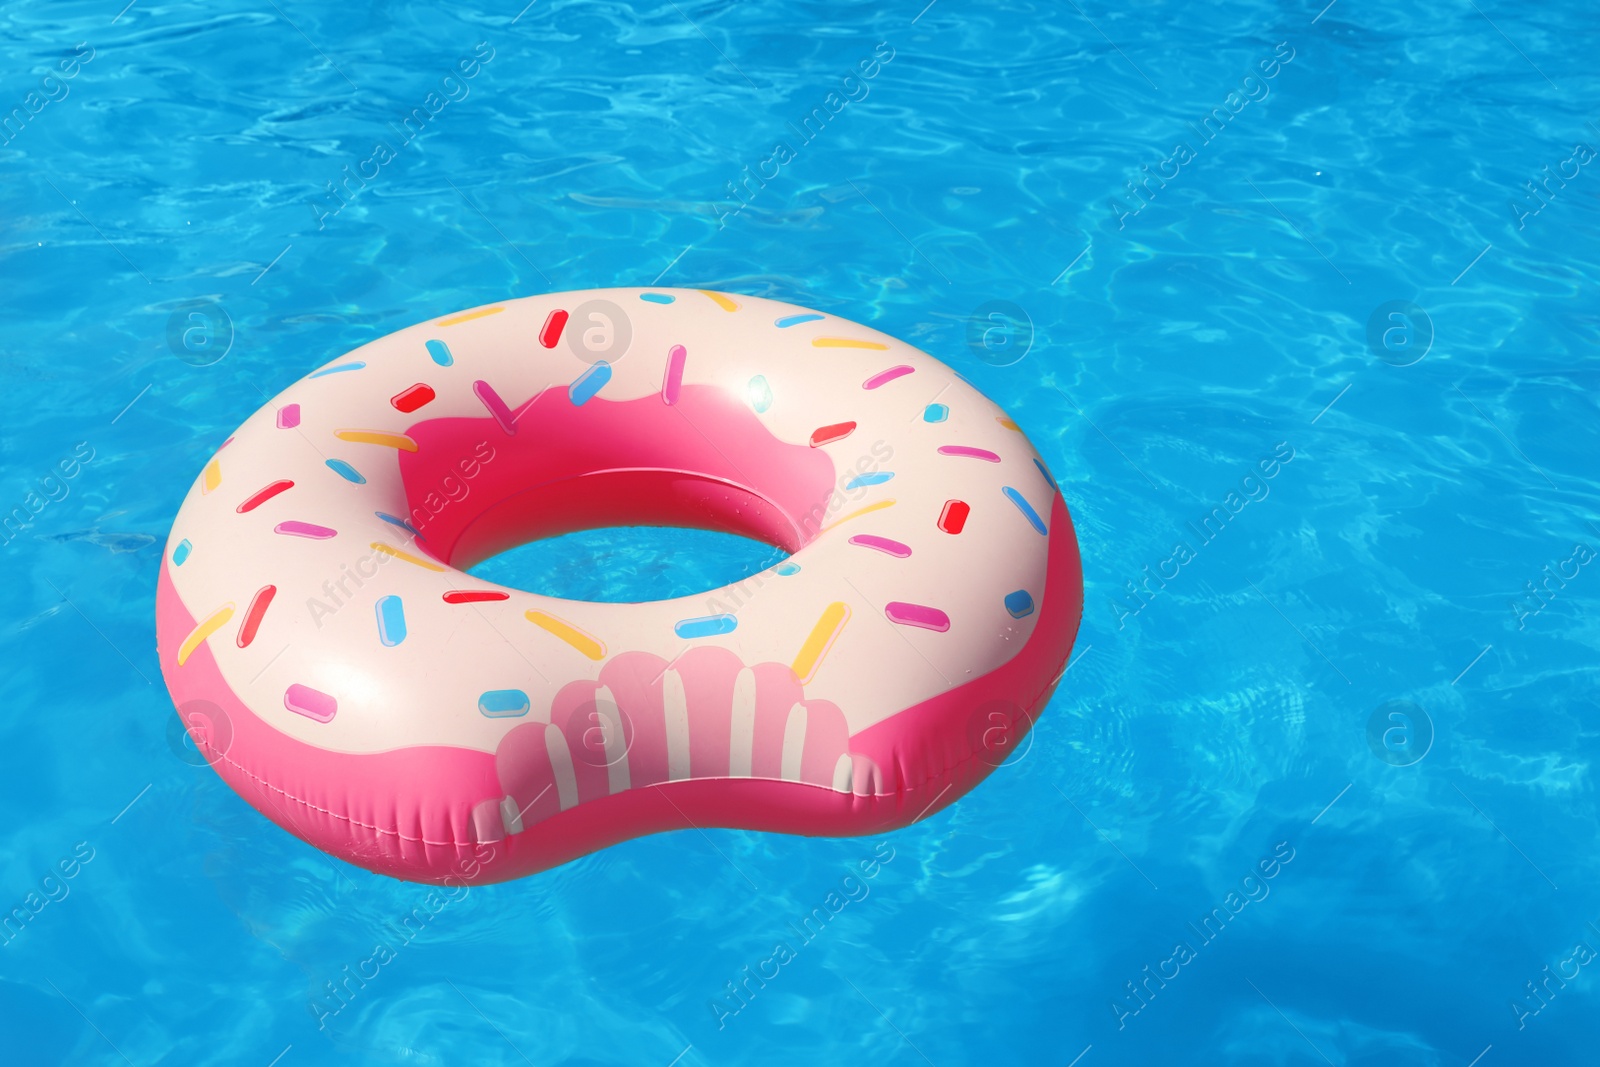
(336, 368)
(393, 521)
(440, 353)
(345, 471)
(658, 298)
(795, 320)
(705, 626)
(503, 703)
(181, 553)
(1019, 604)
(590, 382)
(786, 569)
(875, 478)
(1046, 472)
(760, 394)
(391, 620)
(935, 413)
(1026, 508)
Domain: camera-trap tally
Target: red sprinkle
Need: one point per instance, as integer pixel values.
(411, 399)
(264, 495)
(552, 328)
(826, 435)
(252, 617)
(953, 519)
(473, 596)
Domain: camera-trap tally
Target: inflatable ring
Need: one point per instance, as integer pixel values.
(339, 669)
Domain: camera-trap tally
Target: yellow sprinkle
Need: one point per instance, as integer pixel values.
(379, 546)
(721, 300)
(856, 514)
(847, 342)
(588, 644)
(210, 625)
(377, 437)
(1007, 423)
(211, 477)
(469, 316)
(820, 640)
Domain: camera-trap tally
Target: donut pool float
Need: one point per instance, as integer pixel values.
(336, 665)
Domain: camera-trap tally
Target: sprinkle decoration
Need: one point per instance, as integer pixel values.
(496, 407)
(591, 381)
(389, 550)
(337, 368)
(391, 612)
(296, 528)
(672, 384)
(394, 520)
(345, 471)
(474, 596)
(377, 437)
(823, 634)
(882, 544)
(1019, 604)
(409, 400)
(760, 394)
(312, 703)
(204, 629)
(254, 614)
(584, 642)
(261, 496)
(705, 626)
(554, 323)
(918, 615)
(827, 435)
(847, 342)
(953, 519)
(1026, 508)
(468, 316)
(211, 477)
(885, 377)
(504, 703)
(969, 452)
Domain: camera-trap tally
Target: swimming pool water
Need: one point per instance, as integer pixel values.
(1266, 283)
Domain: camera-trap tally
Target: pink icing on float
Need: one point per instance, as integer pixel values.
(402, 715)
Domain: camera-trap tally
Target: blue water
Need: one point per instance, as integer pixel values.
(166, 206)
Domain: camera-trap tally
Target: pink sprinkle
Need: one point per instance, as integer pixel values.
(288, 416)
(882, 544)
(886, 376)
(496, 406)
(295, 528)
(676, 357)
(917, 615)
(312, 703)
(972, 453)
